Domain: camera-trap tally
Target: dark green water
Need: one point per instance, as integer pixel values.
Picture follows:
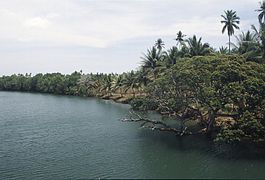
(58, 137)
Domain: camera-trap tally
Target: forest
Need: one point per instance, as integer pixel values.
(216, 92)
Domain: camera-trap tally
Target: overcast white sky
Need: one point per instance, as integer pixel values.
(104, 35)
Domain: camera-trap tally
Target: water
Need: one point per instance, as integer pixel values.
(58, 137)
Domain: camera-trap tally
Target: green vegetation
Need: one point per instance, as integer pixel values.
(230, 20)
(223, 94)
(48, 83)
(217, 93)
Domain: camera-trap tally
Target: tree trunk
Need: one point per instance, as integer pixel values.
(211, 120)
(229, 44)
(120, 92)
(133, 91)
(181, 125)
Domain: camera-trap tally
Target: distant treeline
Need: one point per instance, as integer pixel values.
(55, 83)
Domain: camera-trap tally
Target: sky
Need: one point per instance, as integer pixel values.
(42, 36)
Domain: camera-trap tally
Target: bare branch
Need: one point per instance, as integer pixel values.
(157, 125)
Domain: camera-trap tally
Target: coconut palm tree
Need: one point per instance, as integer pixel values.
(197, 48)
(180, 38)
(261, 39)
(142, 77)
(151, 60)
(223, 50)
(231, 21)
(248, 45)
(86, 84)
(246, 42)
(159, 44)
(106, 84)
(117, 83)
(172, 55)
(262, 12)
(130, 82)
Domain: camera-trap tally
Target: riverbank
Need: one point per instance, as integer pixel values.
(117, 98)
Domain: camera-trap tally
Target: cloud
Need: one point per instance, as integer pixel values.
(104, 35)
(37, 22)
(104, 23)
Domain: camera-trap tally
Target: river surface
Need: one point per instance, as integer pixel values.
(58, 137)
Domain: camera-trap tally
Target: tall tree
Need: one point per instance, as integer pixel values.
(261, 36)
(159, 44)
(223, 50)
(172, 55)
(262, 12)
(180, 38)
(248, 45)
(197, 48)
(151, 60)
(117, 83)
(231, 21)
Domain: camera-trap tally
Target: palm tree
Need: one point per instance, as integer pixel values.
(130, 82)
(151, 60)
(142, 77)
(197, 48)
(117, 83)
(180, 38)
(223, 50)
(262, 12)
(159, 44)
(87, 84)
(261, 39)
(248, 45)
(246, 42)
(230, 20)
(172, 55)
(106, 84)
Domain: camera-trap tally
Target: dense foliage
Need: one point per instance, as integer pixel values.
(225, 93)
(46, 83)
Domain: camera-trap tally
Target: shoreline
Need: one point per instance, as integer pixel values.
(121, 100)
